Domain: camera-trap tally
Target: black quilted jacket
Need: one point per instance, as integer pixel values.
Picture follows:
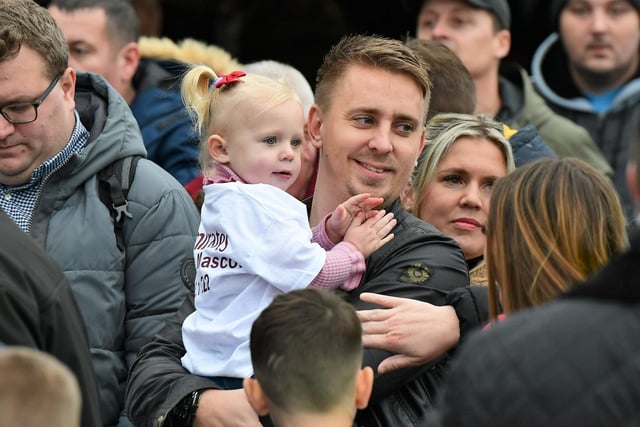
(420, 263)
(572, 362)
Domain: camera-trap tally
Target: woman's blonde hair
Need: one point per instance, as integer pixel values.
(552, 223)
(442, 132)
(214, 108)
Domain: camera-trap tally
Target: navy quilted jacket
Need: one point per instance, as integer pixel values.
(167, 129)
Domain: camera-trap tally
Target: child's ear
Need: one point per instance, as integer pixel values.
(218, 149)
(255, 396)
(364, 386)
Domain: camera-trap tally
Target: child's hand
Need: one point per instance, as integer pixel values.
(341, 218)
(371, 233)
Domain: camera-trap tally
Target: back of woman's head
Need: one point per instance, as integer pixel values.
(552, 223)
(217, 101)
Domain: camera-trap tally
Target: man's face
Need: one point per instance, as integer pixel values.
(24, 147)
(466, 30)
(370, 136)
(90, 48)
(601, 36)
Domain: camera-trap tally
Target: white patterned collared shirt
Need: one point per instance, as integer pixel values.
(19, 202)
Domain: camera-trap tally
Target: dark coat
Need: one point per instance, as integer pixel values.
(166, 127)
(527, 146)
(572, 362)
(124, 296)
(613, 131)
(39, 311)
(521, 105)
(420, 263)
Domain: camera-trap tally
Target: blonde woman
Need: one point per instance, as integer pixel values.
(464, 155)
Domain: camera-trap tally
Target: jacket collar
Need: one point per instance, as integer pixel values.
(619, 281)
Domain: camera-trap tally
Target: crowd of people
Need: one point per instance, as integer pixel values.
(204, 243)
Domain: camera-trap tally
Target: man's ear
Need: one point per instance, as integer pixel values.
(314, 125)
(68, 84)
(129, 57)
(364, 386)
(218, 149)
(255, 396)
(502, 43)
(422, 139)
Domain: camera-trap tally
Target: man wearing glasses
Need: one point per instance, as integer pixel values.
(57, 131)
(27, 112)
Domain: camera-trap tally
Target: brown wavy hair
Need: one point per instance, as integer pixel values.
(551, 224)
(25, 23)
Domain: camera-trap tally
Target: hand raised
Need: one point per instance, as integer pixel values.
(369, 234)
(341, 218)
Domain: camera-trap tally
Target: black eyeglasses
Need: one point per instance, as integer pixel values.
(27, 112)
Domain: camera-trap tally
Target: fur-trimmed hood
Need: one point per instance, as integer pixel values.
(190, 51)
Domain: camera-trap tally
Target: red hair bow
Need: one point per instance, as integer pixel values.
(232, 77)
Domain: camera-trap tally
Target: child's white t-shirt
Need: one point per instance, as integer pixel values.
(254, 243)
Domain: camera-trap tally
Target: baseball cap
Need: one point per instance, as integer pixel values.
(498, 8)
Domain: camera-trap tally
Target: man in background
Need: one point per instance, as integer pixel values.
(103, 39)
(589, 71)
(478, 31)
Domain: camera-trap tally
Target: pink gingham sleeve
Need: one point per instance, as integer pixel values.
(344, 265)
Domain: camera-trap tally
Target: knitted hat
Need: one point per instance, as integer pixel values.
(498, 8)
(558, 5)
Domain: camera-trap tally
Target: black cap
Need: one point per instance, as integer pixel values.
(498, 8)
(558, 5)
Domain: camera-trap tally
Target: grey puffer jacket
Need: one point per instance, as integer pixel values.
(613, 131)
(124, 297)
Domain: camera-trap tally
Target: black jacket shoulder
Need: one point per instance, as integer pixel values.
(38, 310)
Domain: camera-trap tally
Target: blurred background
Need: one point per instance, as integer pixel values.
(300, 32)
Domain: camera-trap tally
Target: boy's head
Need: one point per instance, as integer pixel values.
(37, 390)
(306, 350)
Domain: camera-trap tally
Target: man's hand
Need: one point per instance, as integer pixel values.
(416, 330)
(225, 408)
